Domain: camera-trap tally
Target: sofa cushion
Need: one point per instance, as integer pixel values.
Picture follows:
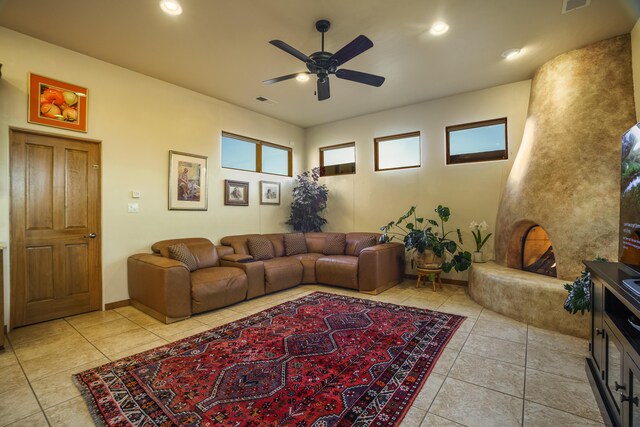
(334, 244)
(180, 252)
(294, 244)
(281, 273)
(338, 270)
(260, 247)
(277, 240)
(365, 242)
(217, 287)
(308, 266)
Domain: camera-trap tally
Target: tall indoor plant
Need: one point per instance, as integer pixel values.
(309, 201)
(422, 236)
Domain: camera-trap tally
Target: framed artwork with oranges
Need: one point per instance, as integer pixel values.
(58, 104)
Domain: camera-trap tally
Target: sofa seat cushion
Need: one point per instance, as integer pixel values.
(308, 266)
(217, 287)
(281, 273)
(338, 270)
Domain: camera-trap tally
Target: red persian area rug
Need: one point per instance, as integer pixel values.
(321, 360)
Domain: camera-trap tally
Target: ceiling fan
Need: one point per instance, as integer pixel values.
(324, 63)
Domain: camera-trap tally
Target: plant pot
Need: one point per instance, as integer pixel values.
(477, 256)
(427, 259)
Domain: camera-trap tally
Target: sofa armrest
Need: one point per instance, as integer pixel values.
(161, 284)
(380, 267)
(237, 258)
(224, 250)
(253, 270)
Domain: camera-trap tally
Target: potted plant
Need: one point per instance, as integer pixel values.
(309, 200)
(430, 246)
(579, 298)
(476, 230)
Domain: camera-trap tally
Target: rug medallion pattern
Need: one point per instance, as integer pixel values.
(322, 360)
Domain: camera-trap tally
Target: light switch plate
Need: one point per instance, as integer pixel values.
(133, 208)
(135, 194)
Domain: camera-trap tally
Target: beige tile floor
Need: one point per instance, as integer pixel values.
(494, 371)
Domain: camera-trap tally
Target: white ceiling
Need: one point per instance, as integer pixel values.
(221, 49)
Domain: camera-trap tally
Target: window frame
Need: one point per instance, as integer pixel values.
(376, 153)
(259, 144)
(487, 156)
(321, 150)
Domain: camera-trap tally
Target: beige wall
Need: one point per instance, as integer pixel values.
(139, 119)
(368, 199)
(635, 60)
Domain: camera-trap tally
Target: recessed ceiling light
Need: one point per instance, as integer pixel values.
(302, 77)
(170, 7)
(439, 28)
(511, 53)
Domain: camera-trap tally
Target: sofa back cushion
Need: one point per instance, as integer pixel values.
(277, 240)
(180, 252)
(260, 247)
(295, 244)
(202, 250)
(356, 242)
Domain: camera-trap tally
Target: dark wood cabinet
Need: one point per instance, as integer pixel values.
(614, 361)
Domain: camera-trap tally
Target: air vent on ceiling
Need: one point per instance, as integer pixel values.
(571, 5)
(266, 100)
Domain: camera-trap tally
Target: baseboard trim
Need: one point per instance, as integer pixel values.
(444, 280)
(117, 304)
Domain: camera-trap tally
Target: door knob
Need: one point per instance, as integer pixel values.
(91, 236)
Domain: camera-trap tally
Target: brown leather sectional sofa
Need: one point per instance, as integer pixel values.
(167, 290)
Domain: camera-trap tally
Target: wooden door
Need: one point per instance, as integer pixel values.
(55, 227)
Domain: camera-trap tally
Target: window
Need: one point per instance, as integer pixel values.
(477, 142)
(241, 152)
(338, 159)
(397, 151)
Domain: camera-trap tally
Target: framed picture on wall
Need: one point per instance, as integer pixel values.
(236, 193)
(58, 104)
(187, 182)
(269, 193)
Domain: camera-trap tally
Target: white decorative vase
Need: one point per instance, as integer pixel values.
(477, 256)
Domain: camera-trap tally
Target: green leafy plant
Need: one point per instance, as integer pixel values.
(579, 298)
(309, 201)
(420, 234)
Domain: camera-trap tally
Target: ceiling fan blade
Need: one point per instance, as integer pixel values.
(352, 49)
(282, 78)
(323, 89)
(360, 77)
(290, 50)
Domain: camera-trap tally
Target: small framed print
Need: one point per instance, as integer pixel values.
(269, 193)
(58, 104)
(236, 193)
(187, 182)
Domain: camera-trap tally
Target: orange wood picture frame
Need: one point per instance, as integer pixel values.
(58, 104)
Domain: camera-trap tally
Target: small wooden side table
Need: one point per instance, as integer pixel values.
(429, 272)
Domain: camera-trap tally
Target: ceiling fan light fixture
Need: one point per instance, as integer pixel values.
(302, 77)
(439, 28)
(171, 7)
(511, 54)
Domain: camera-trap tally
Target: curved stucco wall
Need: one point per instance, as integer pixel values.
(566, 174)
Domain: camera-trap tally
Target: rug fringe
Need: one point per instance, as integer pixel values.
(97, 417)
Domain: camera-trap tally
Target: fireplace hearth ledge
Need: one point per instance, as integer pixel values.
(527, 297)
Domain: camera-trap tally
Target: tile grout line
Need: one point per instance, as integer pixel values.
(526, 355)
(35, 396)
